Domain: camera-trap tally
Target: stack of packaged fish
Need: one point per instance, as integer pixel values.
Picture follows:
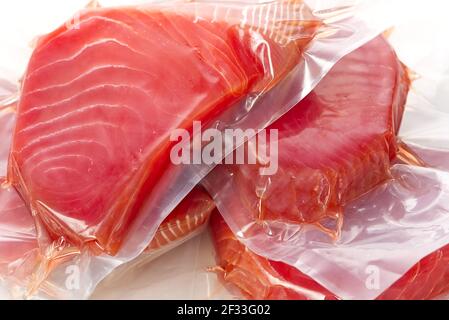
(275, 123)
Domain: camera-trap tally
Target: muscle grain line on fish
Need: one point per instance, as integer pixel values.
(112, 84)
(334, 146)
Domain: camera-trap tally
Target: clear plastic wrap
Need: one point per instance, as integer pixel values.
(394, 239)
(264, 63)
(19, 248)
(417, 39)
(18, 241)
(249, 275)
(179, 274)
(333, 147)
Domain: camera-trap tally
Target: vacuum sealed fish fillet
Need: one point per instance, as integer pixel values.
(339, 160)
(115, 94)
(19, 247)
(102, 95)
(333, 147)
(252, 276)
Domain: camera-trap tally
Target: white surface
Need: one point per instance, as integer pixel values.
(180, 274)
(420, 38)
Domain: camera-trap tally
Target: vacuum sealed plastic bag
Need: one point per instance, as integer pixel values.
(19, 248)
(18, 240)
(333, 147)
(101, 98)
(249, 275)
(179, 274)
(424, 129)
(389, 243)
(115, 96)
(7, 121)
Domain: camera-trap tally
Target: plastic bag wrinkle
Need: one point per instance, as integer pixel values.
(176, 182)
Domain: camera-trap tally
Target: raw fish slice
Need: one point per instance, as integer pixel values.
(256, 277)
(185, 221)
(19, 249)
(20, 253)
(334, 146)
(18, 238)
(252, 276)
(100, 99)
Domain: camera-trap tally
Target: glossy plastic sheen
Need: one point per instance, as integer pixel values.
(255, 277)
(407, 211)
(335, 146)
(236, 65)
(100, 100)
(19, 248)
(189, 216)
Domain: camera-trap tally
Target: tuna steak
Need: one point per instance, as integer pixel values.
(334, 146)
(187, 219)
(101, 97)
(19, 250)
(256, 277)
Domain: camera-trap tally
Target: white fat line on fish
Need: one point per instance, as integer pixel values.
(79, 111)
(156, 239)
(171, 228)
(68, 129)
(164, 235)
(58, 169)
(62, 145)
(89, 90)
(179, 224)
(188, 222)
(87, 73)
(196, 221)
(86, 47)
(253, 18)
(202, 216)
(88, 20)
(61, 157)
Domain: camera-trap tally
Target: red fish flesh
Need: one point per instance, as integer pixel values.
(100, 99)
(18, 238)
(19, 249)
(20, 252)
(188, 218)
(334, 146)
(256, 277)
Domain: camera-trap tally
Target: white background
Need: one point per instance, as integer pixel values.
(420, 37)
